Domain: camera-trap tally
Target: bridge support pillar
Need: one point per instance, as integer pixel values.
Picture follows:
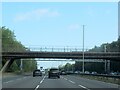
(108, 66)
(105, 66)
(7, 65)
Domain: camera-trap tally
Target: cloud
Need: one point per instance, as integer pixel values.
(74, 27)
(35, 14)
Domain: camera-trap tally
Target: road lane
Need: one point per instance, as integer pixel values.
(57, 83)
(24, 82)
(90, 83)
(65, 81)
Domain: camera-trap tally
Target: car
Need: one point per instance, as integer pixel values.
(87, 72)
(37, 72)
(69, 72)
(94, 73)
(77, 72)
(54, 72)
(63, 73)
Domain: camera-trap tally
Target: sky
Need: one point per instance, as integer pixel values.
(60, 24)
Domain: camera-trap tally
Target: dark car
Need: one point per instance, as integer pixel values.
(54, 72)
(37, 72)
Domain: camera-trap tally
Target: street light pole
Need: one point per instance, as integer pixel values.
(83, 50)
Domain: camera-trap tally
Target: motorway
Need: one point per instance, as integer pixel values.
(65, 81)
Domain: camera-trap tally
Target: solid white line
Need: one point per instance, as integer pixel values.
(9, 81)
(21, 78)
(83, 87)
(37, 87)
(15, 80)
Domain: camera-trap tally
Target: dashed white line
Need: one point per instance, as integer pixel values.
(71, 81)
(42, 79)
(78, 85)
(37, 87)
(83, 87)
(40, 83)
(64, 78)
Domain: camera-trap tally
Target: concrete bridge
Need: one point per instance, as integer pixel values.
(61, 54)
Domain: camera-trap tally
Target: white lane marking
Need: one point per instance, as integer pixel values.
(42, 79)
(15, 80)
(21, 78)
(40, 83)
(71, 81)
(78, 85)
(24, 77)
(9, 81)
(37, 87)
(65, 78)
(83, 87)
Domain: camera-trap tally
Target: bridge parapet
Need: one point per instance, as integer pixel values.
(45, 49)
(57, 49)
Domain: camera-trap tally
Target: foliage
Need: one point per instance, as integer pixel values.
(110, 47)
(67, 67)
(98, 66)
(10, 43)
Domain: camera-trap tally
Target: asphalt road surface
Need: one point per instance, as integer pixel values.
(65, 81)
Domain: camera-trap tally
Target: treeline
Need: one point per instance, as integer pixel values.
(97, 66)
(10, 43)
(108, 47)
(89, 66)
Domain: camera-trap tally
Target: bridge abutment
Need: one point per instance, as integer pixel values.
(7, 65)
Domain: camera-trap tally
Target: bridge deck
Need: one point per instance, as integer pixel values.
(63, 55)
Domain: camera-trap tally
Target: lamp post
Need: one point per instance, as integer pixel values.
(83, 50)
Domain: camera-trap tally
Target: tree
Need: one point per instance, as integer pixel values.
(110, 47)
(10, 43)
(78, 66)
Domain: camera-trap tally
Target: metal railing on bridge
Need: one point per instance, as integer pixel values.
(57, 49)
(44, 49)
